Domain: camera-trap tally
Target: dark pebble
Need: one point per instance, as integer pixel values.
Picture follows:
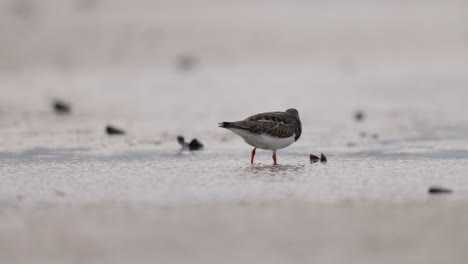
(114, 131)
(313, 158)
(186, 62)
(61, 107)
(375, 136)
(359, 116)
(181, 140)
(439, 190)
(323, 159)
(195, 145)
(60, 193)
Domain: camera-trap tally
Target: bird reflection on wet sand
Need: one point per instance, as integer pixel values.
(277, 172)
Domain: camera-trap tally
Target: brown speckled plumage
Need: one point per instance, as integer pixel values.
(275, 124)
(272, 131)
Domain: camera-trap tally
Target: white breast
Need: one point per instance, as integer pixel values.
(264, 141)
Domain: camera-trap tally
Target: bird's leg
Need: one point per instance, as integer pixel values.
(253, 155)
(274, 158)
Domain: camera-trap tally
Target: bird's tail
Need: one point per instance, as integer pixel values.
(225, 124)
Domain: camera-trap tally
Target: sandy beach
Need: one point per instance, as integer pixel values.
(268, 232)
(71, 193)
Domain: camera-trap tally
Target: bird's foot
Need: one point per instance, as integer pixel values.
(252, 156)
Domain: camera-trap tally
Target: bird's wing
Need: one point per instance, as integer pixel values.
(275, 124)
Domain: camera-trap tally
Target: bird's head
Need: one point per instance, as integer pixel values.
(292, 111)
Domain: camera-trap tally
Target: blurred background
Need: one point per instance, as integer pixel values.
(177, 61)
(347, 37)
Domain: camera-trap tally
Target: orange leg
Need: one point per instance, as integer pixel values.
(274, 158)
(253, 155)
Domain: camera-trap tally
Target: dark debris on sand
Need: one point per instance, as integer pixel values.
(60, 193)
(323, 158)
(186, 62)
(113, 131)
(439, 190)
(194, 145)
(181, 141)
(313, 158)
(359, 116)
(61, 107)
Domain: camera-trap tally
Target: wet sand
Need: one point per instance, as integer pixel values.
(268, 232)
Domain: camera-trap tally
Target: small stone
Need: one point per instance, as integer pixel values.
(181, 140)
(59, 193)
(61, 107)
(186, 62)
(113, 131)
(323, 159)
(439, 190)
(375, 136)
(363, 134)
(313, 158)
(351, 144)
(359, 116)
(195, 145)
(192, 146)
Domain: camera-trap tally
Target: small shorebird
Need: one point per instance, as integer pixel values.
(273, 130)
